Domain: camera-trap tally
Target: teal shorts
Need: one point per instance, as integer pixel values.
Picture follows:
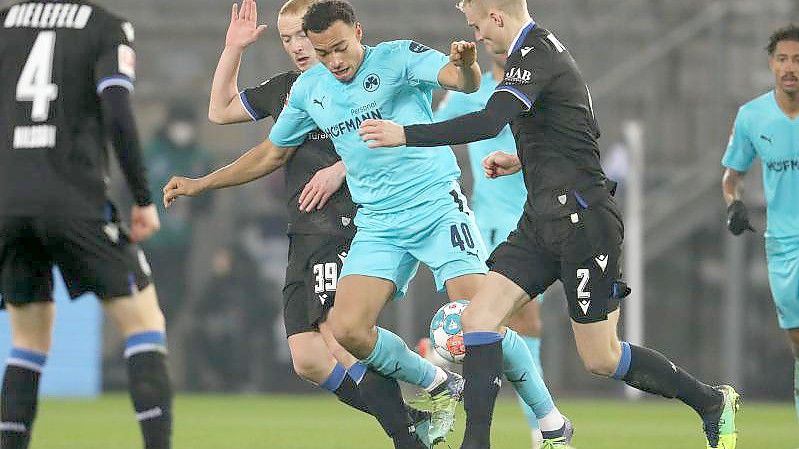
(440, 233)
(783, 276)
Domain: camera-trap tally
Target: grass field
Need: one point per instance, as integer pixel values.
(318, 422)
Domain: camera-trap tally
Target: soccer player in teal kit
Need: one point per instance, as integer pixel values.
(498, 204)
(768, 127)
(411, 206)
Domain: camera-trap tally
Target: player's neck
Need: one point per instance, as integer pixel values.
(514, 27)
(788, 102)
(498, 72)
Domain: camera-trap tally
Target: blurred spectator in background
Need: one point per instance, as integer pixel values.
(230, 332)
(175, 149)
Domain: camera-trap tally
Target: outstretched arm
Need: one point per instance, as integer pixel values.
(224, 106)
(480, 125)
(462, 73)
(255, 163)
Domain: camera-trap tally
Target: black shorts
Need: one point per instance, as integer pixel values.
(311, 276)
(583, 251)
(93, 256)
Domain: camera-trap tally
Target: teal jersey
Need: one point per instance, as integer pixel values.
(492, 199)
(763, 130)
(395, 82)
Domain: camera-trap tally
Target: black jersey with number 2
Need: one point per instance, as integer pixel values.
(55, 59)
(316, 153)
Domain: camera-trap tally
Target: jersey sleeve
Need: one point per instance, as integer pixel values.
(116, 62)
(294, 123)
(740, 151)
(422, 64)
(528, 73)
(452, 105)
(260, 101)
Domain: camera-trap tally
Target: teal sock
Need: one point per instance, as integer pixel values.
(796, 386)
(534, 345)
(391, 357)
(521, 371)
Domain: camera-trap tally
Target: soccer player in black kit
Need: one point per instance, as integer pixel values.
(320, 208)
(66, 73)
(571, 229)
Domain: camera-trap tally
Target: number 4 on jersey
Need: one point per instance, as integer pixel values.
(35, 82)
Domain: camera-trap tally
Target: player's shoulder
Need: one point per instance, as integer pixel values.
(400, 47)
(316, 76)
(758, 104)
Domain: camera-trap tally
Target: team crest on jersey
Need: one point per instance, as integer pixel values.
(518, 75)
(371, 83)
(418, 48)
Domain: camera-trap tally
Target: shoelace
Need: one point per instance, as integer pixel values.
(555, 443)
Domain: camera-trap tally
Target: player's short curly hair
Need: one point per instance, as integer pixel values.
(788, 33)
(322, 14)
(296, 6)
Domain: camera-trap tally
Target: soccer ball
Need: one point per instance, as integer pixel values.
(446, 332)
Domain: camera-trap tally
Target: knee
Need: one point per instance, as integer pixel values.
(308, 367)
(349, 334)
(601, 364)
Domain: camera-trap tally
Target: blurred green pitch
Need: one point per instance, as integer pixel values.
(320, 422)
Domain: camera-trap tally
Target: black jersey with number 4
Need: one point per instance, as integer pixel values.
(318, 152)
(55, 59)
(556, 136)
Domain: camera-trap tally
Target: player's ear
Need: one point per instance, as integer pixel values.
(358, 31)
(497, 19)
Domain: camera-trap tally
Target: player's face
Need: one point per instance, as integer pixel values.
(295, 42)
(785, 66)
(485, 27)
(339, 49)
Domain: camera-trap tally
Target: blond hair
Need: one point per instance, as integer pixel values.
(515, 7)
(296, 7)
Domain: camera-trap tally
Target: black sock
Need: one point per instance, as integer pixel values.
(18, 402)
(482, 369)
(151, 393)
(383, 398)
(349, 393)
(652, 372)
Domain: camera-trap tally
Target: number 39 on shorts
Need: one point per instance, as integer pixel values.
(326, 275)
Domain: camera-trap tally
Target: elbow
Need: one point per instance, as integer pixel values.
(471, 88)
(216, 118)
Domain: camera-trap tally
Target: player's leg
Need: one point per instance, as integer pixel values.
(25, 280)
(527, 323)
(97, 256)
(793, 334)
(31, 332)
(141, 322)
(783, 276)
(359, 300)
(594, 290)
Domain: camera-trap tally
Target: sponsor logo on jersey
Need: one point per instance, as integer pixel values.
(353, 124)
(371, 83)
(418, 48)
(516, 75)
(584, 304)
(316, 135)
(767, 139)
(526, 50)
(321, 102)
(784, 165)
(48, 15)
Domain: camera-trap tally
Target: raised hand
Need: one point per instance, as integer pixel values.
(244, 29)
(463, 54)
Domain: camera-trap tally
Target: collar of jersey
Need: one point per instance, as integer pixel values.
(521, 36)
(366, 51)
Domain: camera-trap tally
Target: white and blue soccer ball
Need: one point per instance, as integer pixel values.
(446, 332)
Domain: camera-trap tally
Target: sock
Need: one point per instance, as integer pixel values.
(520, 370)
(150, 388)
(357, 371)
(391, 357)
(344, 387)
(796, 386)
(482, 368)
(650, 371)
(534, 345)
(383, 397)
(19, 397)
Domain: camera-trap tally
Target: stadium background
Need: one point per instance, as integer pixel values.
(677, 70)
